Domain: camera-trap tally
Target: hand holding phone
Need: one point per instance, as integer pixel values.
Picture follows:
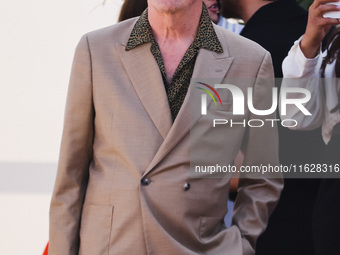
(333, 14)
(318, 26)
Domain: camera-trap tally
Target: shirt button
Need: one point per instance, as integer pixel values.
(145, 182)
(186, 186)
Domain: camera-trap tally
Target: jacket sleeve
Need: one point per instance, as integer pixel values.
(258, 193)
(75, 157)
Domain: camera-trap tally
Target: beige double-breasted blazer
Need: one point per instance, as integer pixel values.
(124, 184)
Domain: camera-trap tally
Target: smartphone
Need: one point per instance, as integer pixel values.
(334, 14)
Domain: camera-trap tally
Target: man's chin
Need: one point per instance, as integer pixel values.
(172, 6)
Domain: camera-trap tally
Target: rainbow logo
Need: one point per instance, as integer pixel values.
(209, 93)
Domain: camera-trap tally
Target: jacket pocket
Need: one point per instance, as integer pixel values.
(95, 229)
(225, 107)
(210, 227)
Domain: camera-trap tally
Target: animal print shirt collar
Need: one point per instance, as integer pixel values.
(206, 37)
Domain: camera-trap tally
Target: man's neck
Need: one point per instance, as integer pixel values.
(174, 32)
(180, 26)
(249, 7)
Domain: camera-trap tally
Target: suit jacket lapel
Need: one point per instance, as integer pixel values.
(209, 65)
(147, 80)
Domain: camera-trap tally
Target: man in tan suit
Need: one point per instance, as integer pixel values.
(125, 183)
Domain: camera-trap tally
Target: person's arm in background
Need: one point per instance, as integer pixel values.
(301, 68)
(317, 26)
(300, 72)
(75, 157)
(257, 194)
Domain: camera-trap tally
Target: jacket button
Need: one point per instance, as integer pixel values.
(145, 182)
(186, 186)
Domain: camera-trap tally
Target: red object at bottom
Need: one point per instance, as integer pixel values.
(46, 250)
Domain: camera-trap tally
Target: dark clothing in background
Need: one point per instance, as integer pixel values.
(326, 222)
(275, 27)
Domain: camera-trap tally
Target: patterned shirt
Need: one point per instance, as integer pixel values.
(206, 38)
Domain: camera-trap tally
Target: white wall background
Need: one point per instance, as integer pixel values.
(37, 42)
